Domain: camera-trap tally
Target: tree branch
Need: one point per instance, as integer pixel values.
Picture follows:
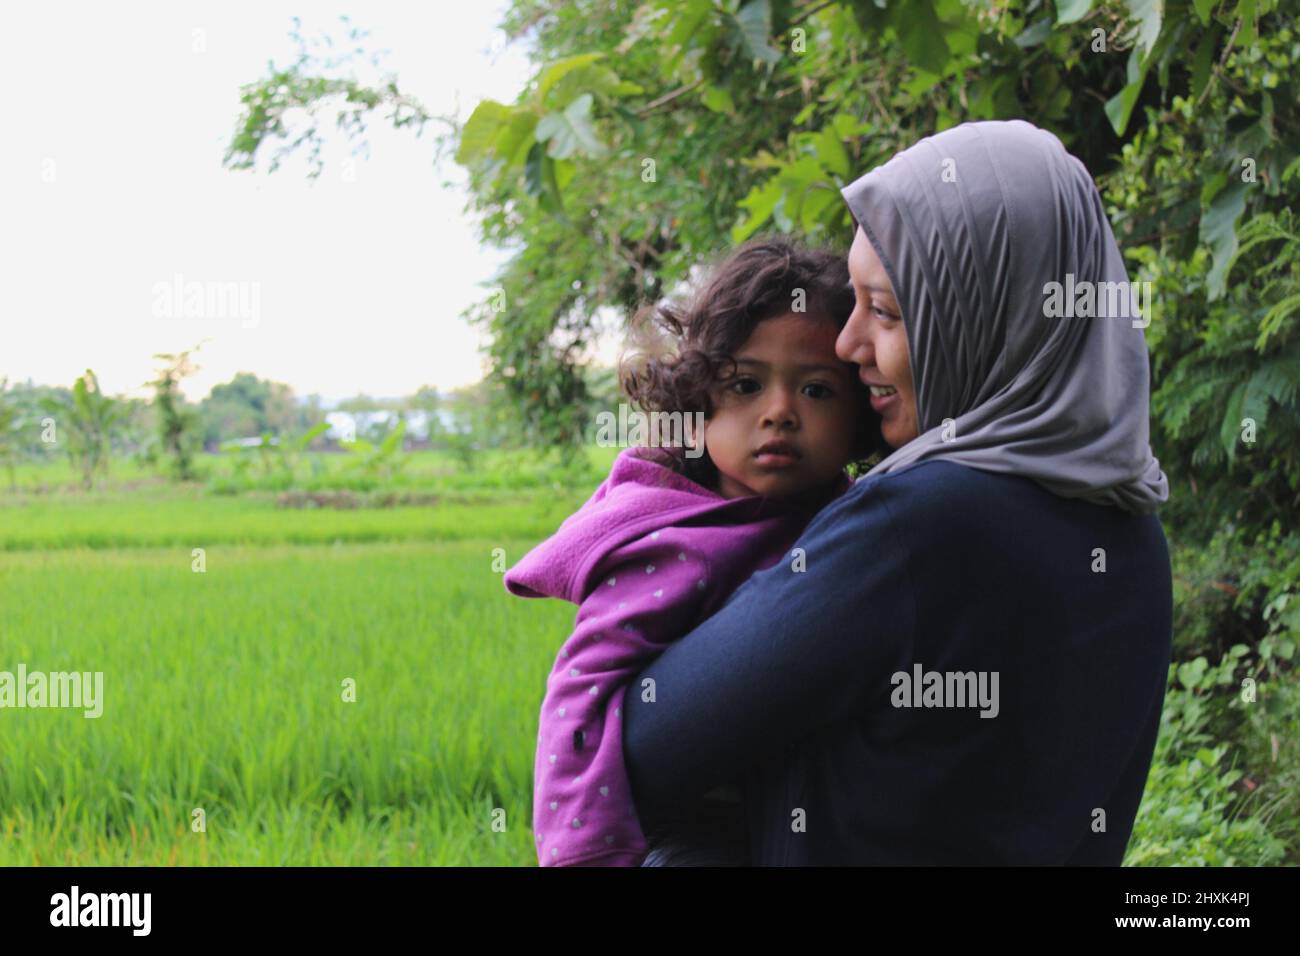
(668, 97)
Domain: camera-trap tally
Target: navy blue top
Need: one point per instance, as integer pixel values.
(792, 687)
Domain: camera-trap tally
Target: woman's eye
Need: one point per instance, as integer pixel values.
(887, 316)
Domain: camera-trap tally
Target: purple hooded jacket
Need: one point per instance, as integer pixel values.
(649, 556)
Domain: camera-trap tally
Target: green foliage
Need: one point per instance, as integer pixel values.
(1191, 814)
(9, 439)
(380, 462)
(311, 86)
(247, 406)
(177, 422)
(279, 459)
(84, 422)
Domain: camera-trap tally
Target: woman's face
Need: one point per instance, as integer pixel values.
(875, 339)
(788, 387)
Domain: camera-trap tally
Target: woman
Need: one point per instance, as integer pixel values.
(964, 659)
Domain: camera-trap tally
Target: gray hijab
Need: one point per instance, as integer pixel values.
(972, 224)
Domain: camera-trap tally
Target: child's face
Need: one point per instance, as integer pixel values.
(790, 387)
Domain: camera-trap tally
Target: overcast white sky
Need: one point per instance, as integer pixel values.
(111, 182)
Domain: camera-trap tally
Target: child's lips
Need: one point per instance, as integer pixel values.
(777, 455)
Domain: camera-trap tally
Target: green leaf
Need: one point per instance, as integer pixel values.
(782, 215)
(1218, 230)
(921, 34)
(1191, 672)
(755, 23)
(760, 203)
(816, 202)
(1247, 35)
(718, 99)
(481, 130)
(922, 83)
(1230, 429)
(393, 440)
(309, 436)
(1071, 11)
(1204, 8)
(1212, 187)
(1292, 169)
(564, 173)
(541, 181)
(1120, 106)
(847, 126)
(571, 131)
(1034, 35)
(803, 115)
(1203, 60)
(1148, 15)
(831, 152)
(557, 71)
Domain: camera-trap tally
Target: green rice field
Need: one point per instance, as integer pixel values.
(225, 736)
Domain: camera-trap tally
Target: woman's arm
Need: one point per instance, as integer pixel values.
(797, 647)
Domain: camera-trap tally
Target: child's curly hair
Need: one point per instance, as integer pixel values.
(674, 368)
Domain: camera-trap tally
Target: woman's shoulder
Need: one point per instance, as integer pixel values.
(952, 498)
(924, 484)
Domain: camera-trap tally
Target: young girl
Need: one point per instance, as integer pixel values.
(672, 532)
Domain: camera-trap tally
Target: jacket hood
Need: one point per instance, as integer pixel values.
(640, 495)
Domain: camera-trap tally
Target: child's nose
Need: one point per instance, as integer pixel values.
(780, 406)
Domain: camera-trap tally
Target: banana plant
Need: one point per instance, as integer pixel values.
(87, 420)
(382, 461)
(279, 459)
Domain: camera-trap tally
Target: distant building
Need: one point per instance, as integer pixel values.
(348, 426)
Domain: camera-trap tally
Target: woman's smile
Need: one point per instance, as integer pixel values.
(884, 398)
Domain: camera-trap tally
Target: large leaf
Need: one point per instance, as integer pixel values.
(557, 71)
(571, 131)
(831, 152)
(1219, 231)
(755, 23)
(1119, 107)
(760, 203)
(309, 436)
(1203, 60)
(1071, 11)
(393, 440)
(922, 36)
(1247, 35)
(718, 99)
(540, 179)
(1230, 430)
(1149, 15)
(481, 130)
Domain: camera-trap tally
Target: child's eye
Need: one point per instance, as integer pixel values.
(826, 390)
(744, 381)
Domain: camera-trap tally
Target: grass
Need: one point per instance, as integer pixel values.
(224, 690)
